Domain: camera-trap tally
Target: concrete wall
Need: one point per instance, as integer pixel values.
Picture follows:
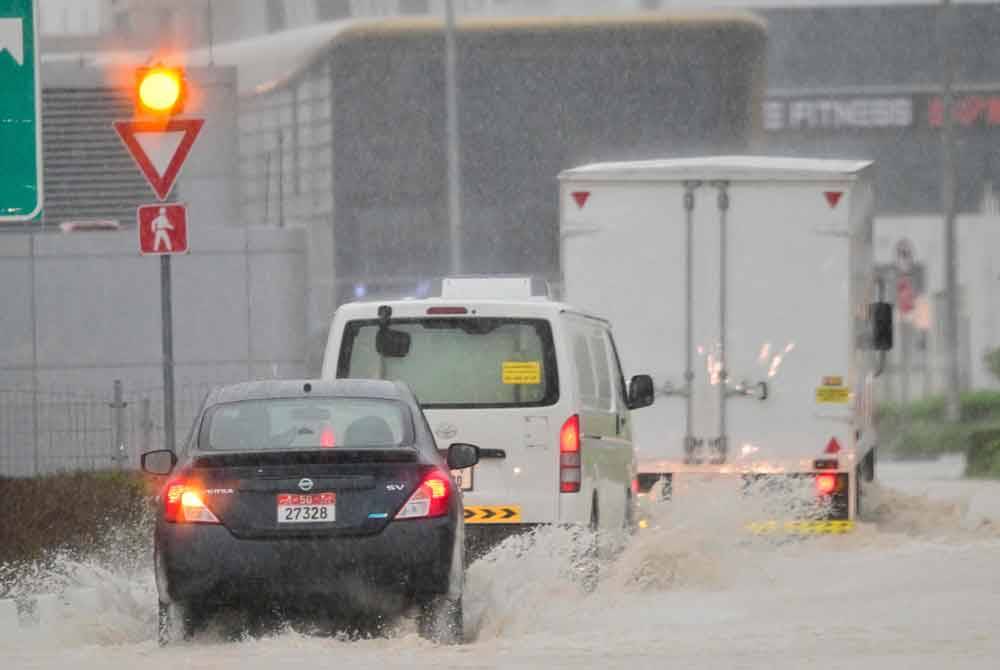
(80, 310)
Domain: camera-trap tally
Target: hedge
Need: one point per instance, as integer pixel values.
(72, 512)
(982, 457)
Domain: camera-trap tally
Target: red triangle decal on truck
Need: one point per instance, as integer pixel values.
(833, 197)
(581, 198)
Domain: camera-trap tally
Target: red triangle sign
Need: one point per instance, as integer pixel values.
(833, 197)
(581, 198)
(160, 149)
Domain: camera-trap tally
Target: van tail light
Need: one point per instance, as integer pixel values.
(430, 499)
(183, 503)
(569, 456)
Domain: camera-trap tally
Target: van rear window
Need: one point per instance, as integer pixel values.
(465, 362)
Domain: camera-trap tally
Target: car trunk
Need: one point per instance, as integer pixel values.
(359, 489)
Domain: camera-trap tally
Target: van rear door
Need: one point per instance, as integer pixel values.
(488, 381)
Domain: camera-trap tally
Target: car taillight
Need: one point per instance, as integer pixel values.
(430, 499)
(569, 456)
(183, 504)
(826, 484)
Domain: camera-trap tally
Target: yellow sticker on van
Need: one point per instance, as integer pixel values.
(522, 372)
(833, 395)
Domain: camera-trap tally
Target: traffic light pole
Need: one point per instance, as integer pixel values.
(454, 151)
(167, 324)
(946, 31)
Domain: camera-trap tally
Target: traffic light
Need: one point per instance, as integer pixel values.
(160, 91)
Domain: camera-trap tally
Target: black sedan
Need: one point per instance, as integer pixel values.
(322, 496)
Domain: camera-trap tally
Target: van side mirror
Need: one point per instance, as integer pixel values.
(641, 392)
(461, 456)
(160, 462)
(392, 343)
(881, 318)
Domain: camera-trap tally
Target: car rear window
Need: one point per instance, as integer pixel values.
(297, 423)
(465, 362)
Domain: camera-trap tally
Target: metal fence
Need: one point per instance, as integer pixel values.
(46, 431)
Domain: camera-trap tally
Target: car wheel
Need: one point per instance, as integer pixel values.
(441, 620)
(175, 622)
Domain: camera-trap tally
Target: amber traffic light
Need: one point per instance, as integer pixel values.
(160, 90)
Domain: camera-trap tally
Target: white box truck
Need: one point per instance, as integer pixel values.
(746, 285)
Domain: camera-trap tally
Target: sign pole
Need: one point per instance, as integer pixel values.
(167, 323)
(162, 227)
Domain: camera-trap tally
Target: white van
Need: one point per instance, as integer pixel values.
(536, 384)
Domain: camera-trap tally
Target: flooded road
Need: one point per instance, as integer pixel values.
(915, 588)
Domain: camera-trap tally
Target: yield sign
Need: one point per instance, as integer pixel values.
(160, 149)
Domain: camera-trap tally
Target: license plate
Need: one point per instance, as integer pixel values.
(463, 478)
(307, 508)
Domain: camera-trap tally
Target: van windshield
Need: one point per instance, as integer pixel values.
(463, 362)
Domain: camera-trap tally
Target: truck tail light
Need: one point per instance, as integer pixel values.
(182, 503)
(430, 499)
(569, 456)
(826, 484)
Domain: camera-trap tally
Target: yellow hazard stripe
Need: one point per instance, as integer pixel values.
(493, 514)
(825, 527)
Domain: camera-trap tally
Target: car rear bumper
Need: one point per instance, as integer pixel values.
(207, 563)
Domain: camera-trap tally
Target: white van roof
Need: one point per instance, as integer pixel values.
(732, 168)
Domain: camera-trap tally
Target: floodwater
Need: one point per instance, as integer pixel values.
(916, 587)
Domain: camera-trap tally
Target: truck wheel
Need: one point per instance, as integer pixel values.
(441, 620)
(868, 465)
(858, 483)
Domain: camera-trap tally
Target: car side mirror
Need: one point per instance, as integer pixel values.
(392, 343)
(881, 317)
(160, 463)
(461, 456)
(641, 392)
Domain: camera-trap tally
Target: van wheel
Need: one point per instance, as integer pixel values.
(591, 567)
(630, 524)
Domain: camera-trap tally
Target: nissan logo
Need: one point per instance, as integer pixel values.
(446, 431)
(306, 484)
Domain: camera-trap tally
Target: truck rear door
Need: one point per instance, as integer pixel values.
(711, 310)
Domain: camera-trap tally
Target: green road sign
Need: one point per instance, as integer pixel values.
(20, 112)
